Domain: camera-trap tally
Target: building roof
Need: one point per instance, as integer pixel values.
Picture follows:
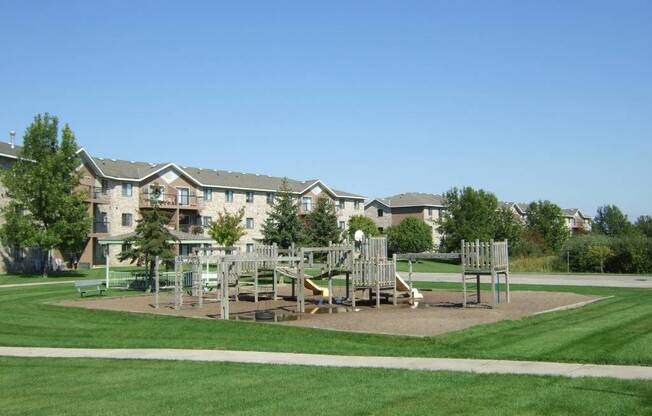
(8, 151)
(570, 212)
(411, 199)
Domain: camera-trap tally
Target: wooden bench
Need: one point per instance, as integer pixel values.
(89, 286)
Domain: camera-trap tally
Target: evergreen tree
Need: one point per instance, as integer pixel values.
(151, 239)
(227, 229)
(546, 220)
(45, 210)
(283, 225)
(363, 223)
(321, 224)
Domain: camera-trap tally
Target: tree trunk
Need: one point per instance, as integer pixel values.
(46, 264)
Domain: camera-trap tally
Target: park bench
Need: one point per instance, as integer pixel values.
(89, 286)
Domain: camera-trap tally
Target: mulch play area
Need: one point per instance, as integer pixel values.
(440, 311)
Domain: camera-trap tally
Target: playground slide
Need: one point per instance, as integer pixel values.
(308, 283)
(402, 286)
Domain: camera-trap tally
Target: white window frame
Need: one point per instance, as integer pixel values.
(306, 203)
(131, 219)
(249, 223)
(228, 195)
(249, 197)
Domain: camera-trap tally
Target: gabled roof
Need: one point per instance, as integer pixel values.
(7, 151)
(125, 170)
(571, 212)
(520, 208)
(411, 199)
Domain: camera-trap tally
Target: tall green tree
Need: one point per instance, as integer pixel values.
(45, 210)
(644, 225)
(363, 223)
(471, 214)
(321, 224)
(411, 235)
(283, 225)
(151, 239)
(546, 220)
(610, 220)
(227, 229)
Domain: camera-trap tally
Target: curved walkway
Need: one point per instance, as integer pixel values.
(406, 363)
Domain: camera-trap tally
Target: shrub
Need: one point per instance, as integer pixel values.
(364, 223)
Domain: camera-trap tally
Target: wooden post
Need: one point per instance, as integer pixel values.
(330, 285)
(477, 287)
(275, 285)
(256, 281)
(224, 277)
(493, 289)
(377, 293)
(156, 282)
(106, 260)
(348, 281)
(301, 305)
(463, 258)
(196, 277)
(393, 279)
(410, 280)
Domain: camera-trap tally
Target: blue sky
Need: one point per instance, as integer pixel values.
(528, 99)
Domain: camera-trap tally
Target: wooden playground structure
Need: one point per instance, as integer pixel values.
(485, 259)
(223, 274)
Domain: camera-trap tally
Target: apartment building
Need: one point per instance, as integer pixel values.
(117, 191)
(391, 210)
(576, 221)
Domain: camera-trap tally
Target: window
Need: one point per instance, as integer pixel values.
(342, 225)
(250, 248)
(228, 195)
(250, 197)
(125, 246)
(342, 203)
(127, 220)
(270, 198)
(206, 220)
(249, 223)
(430, 212)
(208, 194)
(356, 205)
(105, 186)
(126, 189)
(183, 195)
(306, 203)
(381, 230)
(380, 212)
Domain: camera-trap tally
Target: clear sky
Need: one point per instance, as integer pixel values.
(528, 99)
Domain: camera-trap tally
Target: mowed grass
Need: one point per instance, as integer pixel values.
(430, 266)
(613, 331)
(56, 276)
(130, 387)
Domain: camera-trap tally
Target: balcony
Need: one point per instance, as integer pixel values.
(101, 227)
(173, 201)
(95, 194)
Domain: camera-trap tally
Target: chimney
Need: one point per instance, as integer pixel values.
(12, 138)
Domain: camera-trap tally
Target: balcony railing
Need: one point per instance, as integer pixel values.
(191, 201)
(95, 193)
(101, 227)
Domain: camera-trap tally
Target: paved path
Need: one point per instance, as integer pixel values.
(36, 284)
(427, 364)
(549, 279)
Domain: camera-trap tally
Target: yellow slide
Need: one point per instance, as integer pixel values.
(402, 286)
(308, 283)
(316, 289)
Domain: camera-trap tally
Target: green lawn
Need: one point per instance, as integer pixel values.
(430, 266)
(616, 331)
(98, 273)
(129, 387)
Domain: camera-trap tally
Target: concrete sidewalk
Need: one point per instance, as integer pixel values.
(36, 284)
(627, 281)
(406, 363)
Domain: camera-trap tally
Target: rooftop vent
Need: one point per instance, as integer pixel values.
(12, 138)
